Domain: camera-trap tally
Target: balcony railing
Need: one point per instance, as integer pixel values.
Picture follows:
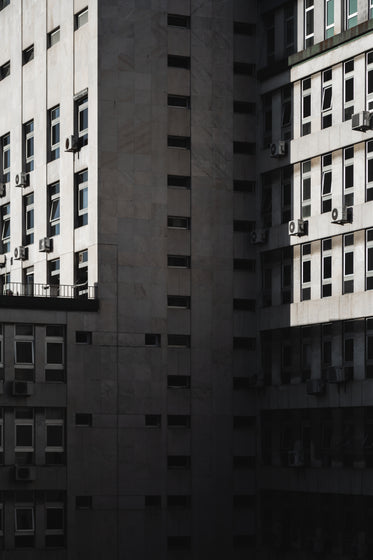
(78, 291)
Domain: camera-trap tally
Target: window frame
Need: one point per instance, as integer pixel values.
(53, 37)
(29, 218)
(24, 448)
(55, 422)
(348, 162)
(306, 257)
(350, 17)
(79, 17)
(348, 248)
(326, 171)
(306, 178)
(54, 200)
(309, 38)
(368, 249)
(5, 227)
(306, 120)
(327, 110)
(326, 255)
(29, 145)
(348, 76)
(82, 203)
(24, 506)
(329, 28)
(54, 128)
(82, 115)
(5, 159)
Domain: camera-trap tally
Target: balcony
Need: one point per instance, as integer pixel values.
(49, 296)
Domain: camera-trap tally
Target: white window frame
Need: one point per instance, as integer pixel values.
(53, 37)
(348, 162)
(350, 16)
(82, 106)
(309, 39)
(306, 258)
(369, 73)
(326, 171)
(327, 85)
(29, 145)
(305, 178)
(5, 147)
(306, 92)
(5, 227)
(369, 158)
(54, 422)
(54, 123)
(29, 213)
(370, 9)
(54, 203)
(347, 249)
(24, 422)
(54, 340)
(82, 185)
(368, 249)
(326, 253)
(348, 75)
(19, 531)
(24, 338)
(329, 29)
(81, 18)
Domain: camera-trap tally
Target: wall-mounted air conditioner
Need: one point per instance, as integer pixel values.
(361, 121)
(297, 227)
(278, 149)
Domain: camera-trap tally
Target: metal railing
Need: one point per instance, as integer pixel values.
(77, 291)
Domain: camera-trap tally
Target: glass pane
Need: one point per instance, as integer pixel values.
(327, 267)
(330, 13)
(54, 353)
(349, 263)
(309, 22)
(306, 188)
(30, 147)
(307, 271)
(83, 119)
(307, 106)
(349, 89)
(370, 259)
(55, 519)
(54, 436)
(327, 182)
(327, 99)
(83, 199)
(55, 209)
(24, 435)
(349, 176)
(30, 219)
(24, 519)
(55, 134)
(24, 353)
(352, 7)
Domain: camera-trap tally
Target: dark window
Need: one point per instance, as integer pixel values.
(53, 37)
(176, 61)
(178, 142)
(81, 18)
(243, 421)
(152, 339)
(179, 101)
(83, 419)
(83, 502)
(244, 107)
(178, 381)
(5, 70)
(244, 500)
(244, 28)
(244, 186)
(153, 501)
(244, 148)
(244, 68)
(179, 222)
(83, 337)
(179, 181)
(153, 420)
(182, 340)
(178, 261)
(244, 304)
(178, 421)
(178, 461)
(179, 543)
(243, 225)
(178, 20)
(179, 301)
(28, 55)
(244, 264)
(244, 343)
(178, 501)
(243, 462)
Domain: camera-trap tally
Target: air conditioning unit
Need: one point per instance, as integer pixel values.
(258, 236)
(22, 388)
(315, 387)
(20, 253)
(24, 473)
(2, 189)
(339, 215)
(338, 374)
(361, 121)
(71, 143)
(2, 260)
(296, 458)
(22, 180)
(45, 245)
(297, 227)
(278, 149)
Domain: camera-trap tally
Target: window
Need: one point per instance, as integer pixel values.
(326, 267)
(24, 519)
(348, 263)
(178, 501)
(247, 148)
(153, 501)
(326, 183)
(178, 20)
(178, 461)
(350, 329)
(306, 107)
(178, 381)
(286, 189)
(289, 28)
(286, 112)
(286, 274)
(326, 347)
(83, 502)
(244, 343)
(81, 112)
(269, 23)
(83, 337)
(83, 419)
(266, 202)
(176, 61)
(24, 434)
(153, 420)
(351, 13)
(54, 524)
(348, 93)
(243, 28)
(369, 259)
(28, 281)
(53, 277)
(81, 18)
(82, 198)
(53, 37)
(348, 176)
(54, 209)
(178, 261)
(5, 70)
(178, 142)
(240, 185)
(326, 103)
(178, 181)
(244, 68)
(329, 18)
(28, 145)
(24, 344)
(244, 107)
(178, 340)
(5, 148)
(306, 189)
(370, 9)
(244, 264)
(5, 227)
(244, 304)
(179, 101)
(152, 339)
(309, 23)
(369, 81)
(54, 347)
(306, 272)
(4, 4)
(369, 170)
(28, 212)
(180, 302)
(267, 119)
(266, 281)
(54, 133)
(54, 431)
(81, 274)
(28, 55)
(369, 347)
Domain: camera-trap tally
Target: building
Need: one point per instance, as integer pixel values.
(314, 393)
(128, 147)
